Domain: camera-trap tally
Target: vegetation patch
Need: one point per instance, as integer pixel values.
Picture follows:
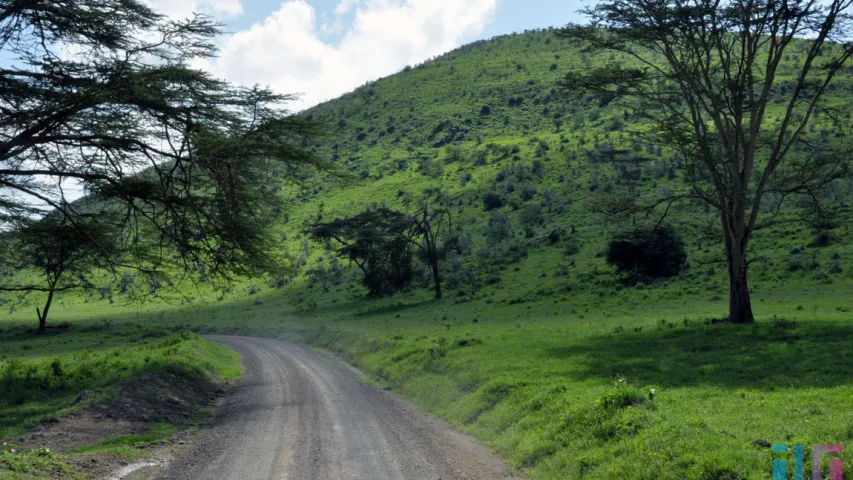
(80, 404)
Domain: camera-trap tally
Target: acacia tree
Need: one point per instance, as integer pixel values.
(61, 254)
(375, 241)
(99, 96)
(426, 228)
(379, 242)
(707, 73)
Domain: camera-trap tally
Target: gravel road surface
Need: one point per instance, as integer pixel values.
(299, 414)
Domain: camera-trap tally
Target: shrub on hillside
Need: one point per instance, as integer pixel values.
(647, 252)
(492, 200)
(430, 168)
(531, 217)
(821, 239)
(507, 253)
(498, 230)
(527, 191)
(571, 246)
(802, 262)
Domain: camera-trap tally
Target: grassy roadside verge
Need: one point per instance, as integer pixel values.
(562, 406)
(44, 378)
(543, 388)
(538, 379)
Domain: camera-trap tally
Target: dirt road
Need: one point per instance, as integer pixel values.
(299, 414)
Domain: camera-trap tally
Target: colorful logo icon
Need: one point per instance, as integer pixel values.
(780, 465)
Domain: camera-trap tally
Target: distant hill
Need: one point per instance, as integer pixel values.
(488, 118)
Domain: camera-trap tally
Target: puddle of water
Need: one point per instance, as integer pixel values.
(143, 473)
(138, 471)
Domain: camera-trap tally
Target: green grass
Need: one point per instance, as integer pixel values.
(41, 376)
(531, 378)
(129, 445)
(35, 465)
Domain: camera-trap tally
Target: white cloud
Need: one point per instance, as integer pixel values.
(345, 6)
(285, 50)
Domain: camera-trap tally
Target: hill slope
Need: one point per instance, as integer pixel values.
(487, 119)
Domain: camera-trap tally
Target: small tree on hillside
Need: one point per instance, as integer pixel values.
(498, 230)
(375, 241)
(424, 233)
(62, 254)
(379, 242)
(706, 72)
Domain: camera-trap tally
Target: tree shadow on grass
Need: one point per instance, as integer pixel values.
(358, 307)
(394, 307)
(762, 356)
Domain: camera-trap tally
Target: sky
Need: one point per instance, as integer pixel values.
(322, 49)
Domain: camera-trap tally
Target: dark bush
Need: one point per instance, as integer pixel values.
(390, 269)
(649, 253)
(555, 235)
(821, 239)
(528, 191)
(802, 262)
(531, 216)
(498, 230)
(486, 110)
(492, 200)
(571, 246)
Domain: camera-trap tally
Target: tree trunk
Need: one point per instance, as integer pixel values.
(43, 315)
(740, 306)
(435, 276)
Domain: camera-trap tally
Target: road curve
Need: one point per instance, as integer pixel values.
(299, 414)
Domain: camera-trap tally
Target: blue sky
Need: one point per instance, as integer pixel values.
(321, 49)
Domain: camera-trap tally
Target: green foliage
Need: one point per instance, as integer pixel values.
(647, 252)
(390, 268)
(498, 230)
(128, 445)
(39, 464)
(623, 396)
(175, 162)
(492, 201)
(378, 241)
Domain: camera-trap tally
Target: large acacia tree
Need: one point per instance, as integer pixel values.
(99, 97)
(731, 85)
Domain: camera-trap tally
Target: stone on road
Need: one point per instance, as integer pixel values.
(299, 414)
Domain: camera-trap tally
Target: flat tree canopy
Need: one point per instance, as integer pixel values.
(99, 96)
(379, 242)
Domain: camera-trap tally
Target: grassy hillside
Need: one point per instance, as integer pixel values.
(539, 348)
